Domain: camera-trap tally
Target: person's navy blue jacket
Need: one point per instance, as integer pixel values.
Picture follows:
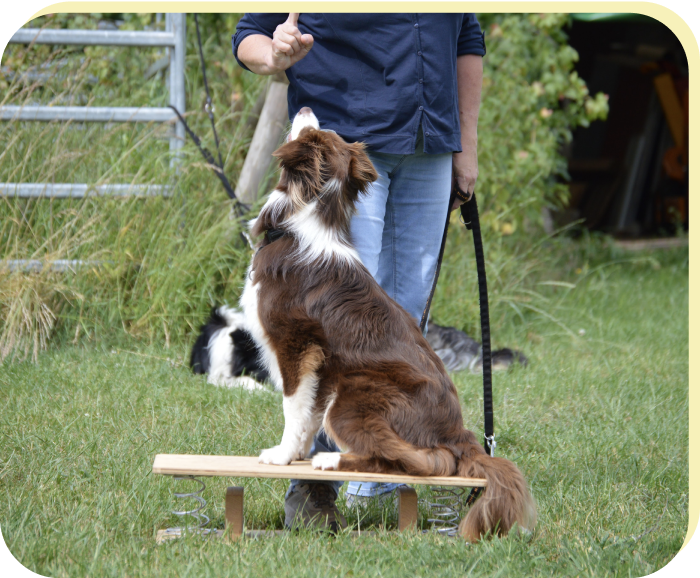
(376, 77)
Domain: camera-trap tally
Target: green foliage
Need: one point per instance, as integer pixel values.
(532, 99)
(165, 261)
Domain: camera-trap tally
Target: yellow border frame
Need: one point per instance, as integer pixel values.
(661, 13)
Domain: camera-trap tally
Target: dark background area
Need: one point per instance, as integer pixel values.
(629, 174)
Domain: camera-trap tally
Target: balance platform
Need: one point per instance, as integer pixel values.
(249, 467)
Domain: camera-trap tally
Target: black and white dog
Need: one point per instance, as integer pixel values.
(226, 352)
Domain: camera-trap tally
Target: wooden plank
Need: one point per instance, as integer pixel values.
(267, 137)
(248, 467)
(649, 244)
(163, 536)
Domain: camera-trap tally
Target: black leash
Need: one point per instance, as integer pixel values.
(470, 218)
(239, 208)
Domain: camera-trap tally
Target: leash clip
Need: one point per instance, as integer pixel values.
(491, 442)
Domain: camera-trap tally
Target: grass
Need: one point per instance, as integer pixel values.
(598, 422)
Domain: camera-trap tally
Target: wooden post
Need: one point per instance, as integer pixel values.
(267, 136)
(234, 512)
(408, 509)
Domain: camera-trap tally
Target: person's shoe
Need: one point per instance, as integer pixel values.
(377, 501)
(312, 505)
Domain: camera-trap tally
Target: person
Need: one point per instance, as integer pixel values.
(409, 87)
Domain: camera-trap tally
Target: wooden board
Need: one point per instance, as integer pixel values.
(248, 467)
(649, 244)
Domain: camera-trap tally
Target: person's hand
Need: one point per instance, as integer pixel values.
(289, 45)
(465, 170)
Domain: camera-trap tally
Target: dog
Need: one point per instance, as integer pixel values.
(344, 353)
(233, 361)
(458, 351)
(225, 351)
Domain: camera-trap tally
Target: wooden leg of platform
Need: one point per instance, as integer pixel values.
(408, 509)
(234, 512)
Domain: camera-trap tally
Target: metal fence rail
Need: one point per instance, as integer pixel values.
(80, 190)
(173, 39)
(55, 266)
(87, 113)
(94, 37)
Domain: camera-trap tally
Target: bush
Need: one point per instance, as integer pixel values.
(532, 100)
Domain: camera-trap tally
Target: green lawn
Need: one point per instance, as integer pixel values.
(598, 422)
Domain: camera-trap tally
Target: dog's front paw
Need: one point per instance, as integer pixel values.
(248, 383)
(277, 456)
(326, 461)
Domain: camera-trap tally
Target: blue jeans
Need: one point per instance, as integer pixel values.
(397, 232)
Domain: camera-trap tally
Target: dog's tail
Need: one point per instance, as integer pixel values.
(506, 500)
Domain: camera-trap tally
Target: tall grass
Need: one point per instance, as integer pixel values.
(154, 264)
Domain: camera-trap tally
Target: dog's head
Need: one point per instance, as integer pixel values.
(320, 172)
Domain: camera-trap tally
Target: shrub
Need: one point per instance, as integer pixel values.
(532, 99)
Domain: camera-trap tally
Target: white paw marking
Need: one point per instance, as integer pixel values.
(326, 461)
(248, 383)
(242, 381)
(277, 456)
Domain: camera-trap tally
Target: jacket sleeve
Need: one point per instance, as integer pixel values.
(250, 24)
(471, 38)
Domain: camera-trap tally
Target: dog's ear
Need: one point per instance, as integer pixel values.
(296, 154)
(300, 160)
(361, 170)
(292, 154)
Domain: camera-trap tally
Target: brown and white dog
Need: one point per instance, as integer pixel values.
(344, 353)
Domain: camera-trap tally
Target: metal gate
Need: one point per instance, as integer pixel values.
(173, 38)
